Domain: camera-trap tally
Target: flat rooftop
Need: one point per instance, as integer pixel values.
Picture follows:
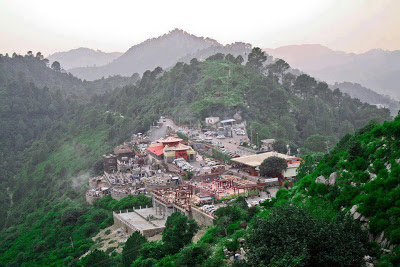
(137, 219)
(257, 159)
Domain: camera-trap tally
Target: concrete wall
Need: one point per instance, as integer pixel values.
(121, 223)
(128, 228)
(152, 232)
(202, 218)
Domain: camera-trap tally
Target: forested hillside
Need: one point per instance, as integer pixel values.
(355, 90)
(300, 111)
(163, 51)
(51, 145)
(83, 57)
(35, 68)
(376, 69)
(360, 176)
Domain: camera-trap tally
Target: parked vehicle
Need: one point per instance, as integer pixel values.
(175, 161)
(254, 203)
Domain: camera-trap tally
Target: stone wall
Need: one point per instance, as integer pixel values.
(201, 218)
(119, 222)
(153, 231)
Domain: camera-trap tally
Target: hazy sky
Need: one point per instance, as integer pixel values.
(52, 25)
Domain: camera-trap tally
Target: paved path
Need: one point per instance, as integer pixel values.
(161, 132)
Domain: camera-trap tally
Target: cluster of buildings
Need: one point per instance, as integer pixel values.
(165, 150)
(144, 167)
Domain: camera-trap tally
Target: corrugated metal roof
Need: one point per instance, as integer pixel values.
(229, 120)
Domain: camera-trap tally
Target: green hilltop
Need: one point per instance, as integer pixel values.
(300, 111)
(51, 140)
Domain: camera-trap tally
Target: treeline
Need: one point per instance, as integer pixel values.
(36, 68)
(52, 144)
(295, 110)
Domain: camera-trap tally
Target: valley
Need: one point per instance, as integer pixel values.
(228, 158)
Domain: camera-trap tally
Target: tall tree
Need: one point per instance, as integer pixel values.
(96, 258)
(132, 248)
(239, 60)
(178, 232)
(256, 59)
(56, 66)
(279, 67)
(295, 236)
(229, 57)
(273, 166)
(288, 80)
(304, 85)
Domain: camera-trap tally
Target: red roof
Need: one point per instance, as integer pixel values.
(157, 150)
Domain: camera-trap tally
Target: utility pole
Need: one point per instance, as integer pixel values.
(251, 135)
(227, 82)
(257, 140)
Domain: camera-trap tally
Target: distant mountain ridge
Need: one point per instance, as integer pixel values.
(163, 51)
(83, 57)
(36, 70)
(355, 90)
(235, 49)
(376, 69)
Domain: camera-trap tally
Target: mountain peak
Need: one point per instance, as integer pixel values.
(177, 31)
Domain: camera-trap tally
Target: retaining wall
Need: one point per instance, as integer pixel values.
(202, 218)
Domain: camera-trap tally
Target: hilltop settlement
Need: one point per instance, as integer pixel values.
(193, 171)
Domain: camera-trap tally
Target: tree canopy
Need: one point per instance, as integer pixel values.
(273, 166)
(178, 232)
(295, 236)
(256, 59)
(132, 248)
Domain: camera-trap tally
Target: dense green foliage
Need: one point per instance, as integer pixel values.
(55, 235)
(35, 69)
(51, 144)
(182, 136)
(221, 155)
(178, 232)
(368, 167)
(132, 248)
(298, 236)
(290, 111)
(273, 167)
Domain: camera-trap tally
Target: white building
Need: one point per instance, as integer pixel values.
(212, 120)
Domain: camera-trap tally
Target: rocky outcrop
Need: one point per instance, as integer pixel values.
(332, 178)
(321, 180)
(238, 116)
(331, 181)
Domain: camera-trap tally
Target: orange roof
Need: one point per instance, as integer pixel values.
(157, 150)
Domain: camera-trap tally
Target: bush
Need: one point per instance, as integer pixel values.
(307, 235)
(70, 215)
(395, 236)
